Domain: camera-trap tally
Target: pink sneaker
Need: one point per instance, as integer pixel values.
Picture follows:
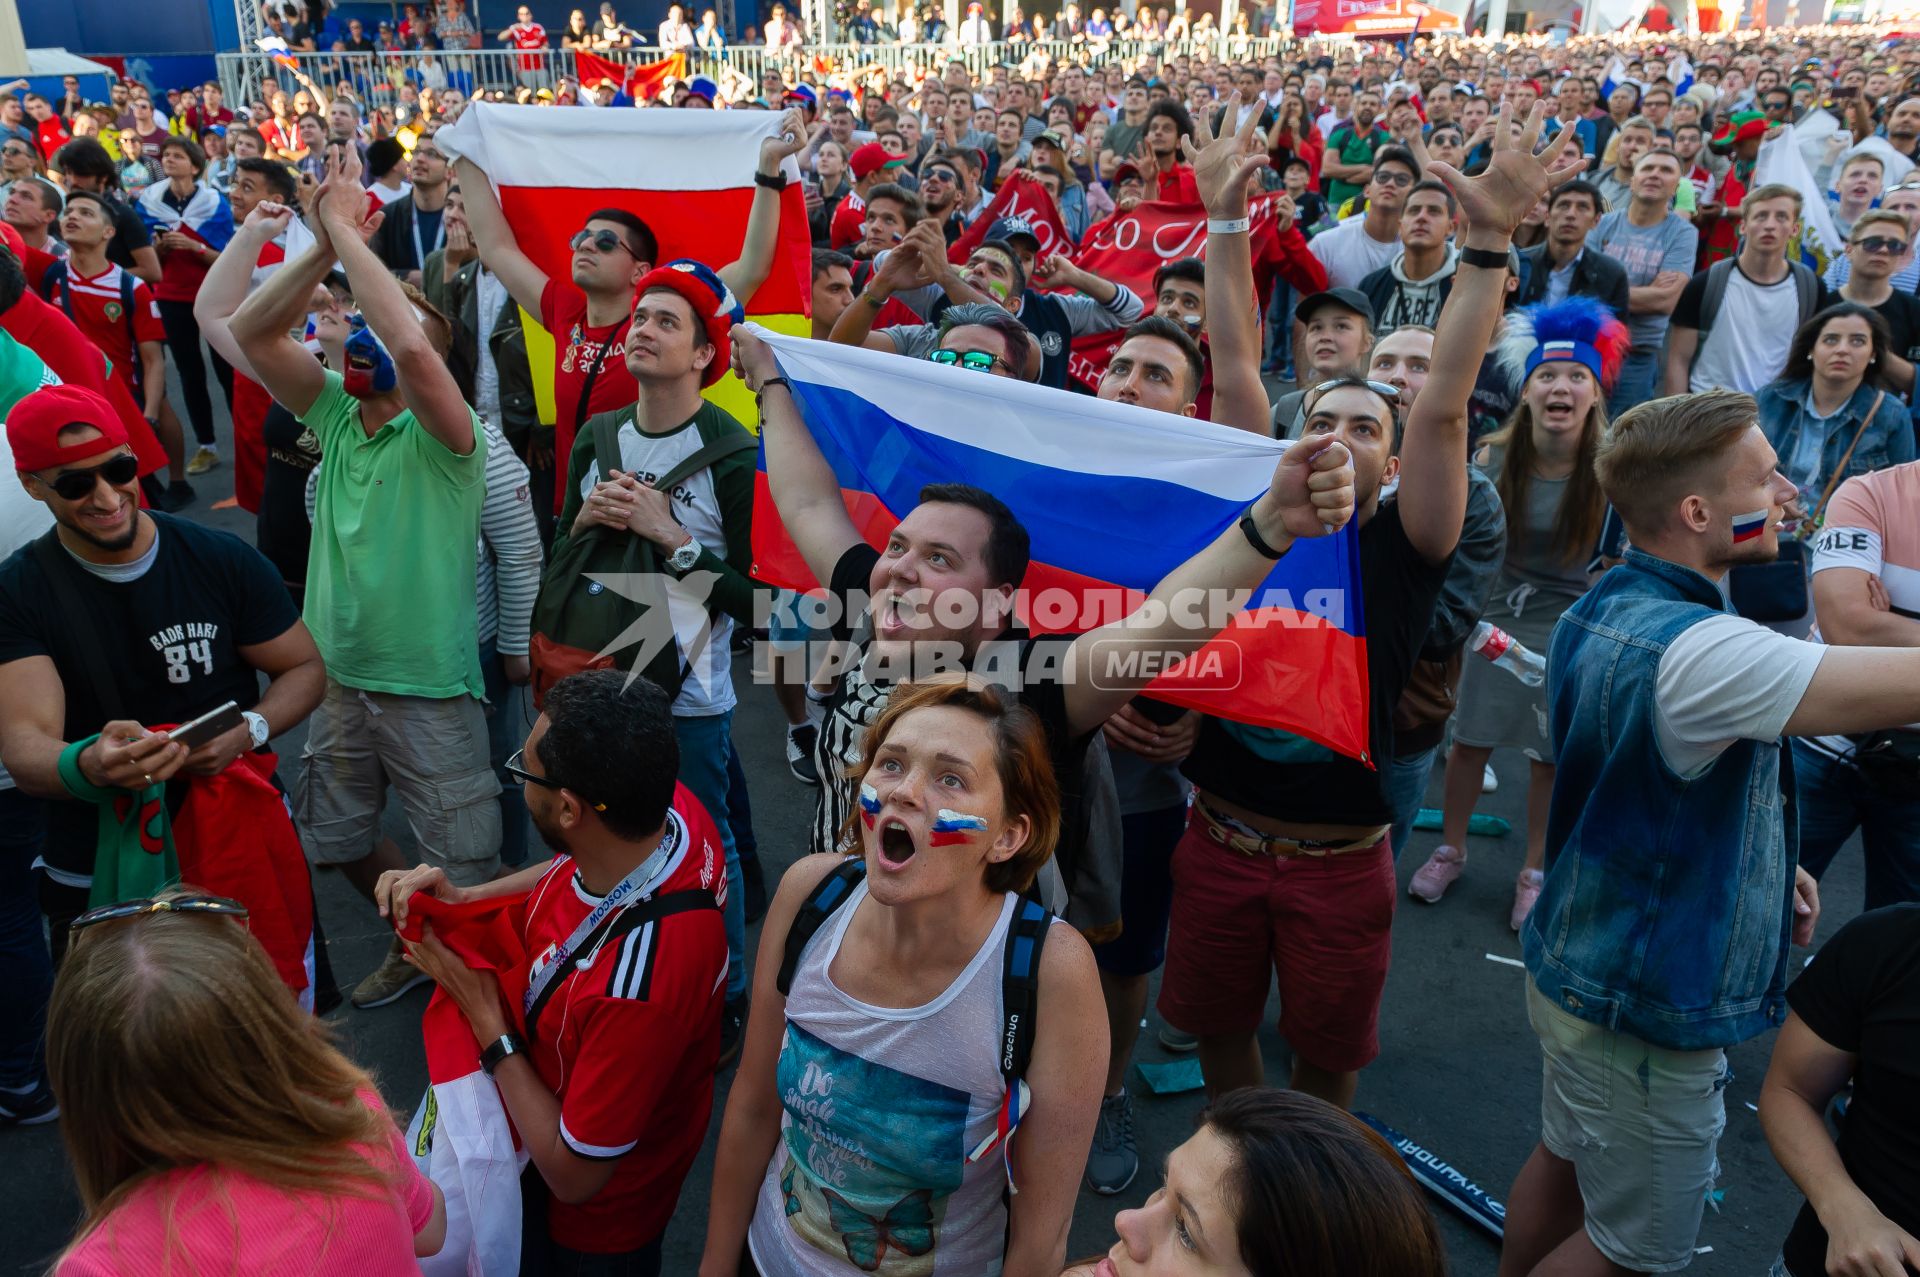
(1431, 880)
(1526, 890)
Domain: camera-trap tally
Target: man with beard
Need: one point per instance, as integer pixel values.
(396, 528)
(611, 1088)
(1351, 149)
(120, 617)
(943, 189)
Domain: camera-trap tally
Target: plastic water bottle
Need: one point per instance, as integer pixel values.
(1494, 643)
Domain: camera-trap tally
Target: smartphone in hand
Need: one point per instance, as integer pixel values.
(209, 726)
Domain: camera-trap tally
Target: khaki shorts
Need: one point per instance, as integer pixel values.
(1641, 1124)
(435, 755)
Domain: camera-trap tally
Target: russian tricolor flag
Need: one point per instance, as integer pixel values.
(1748, 527)
(1114, 497)
(688, 174)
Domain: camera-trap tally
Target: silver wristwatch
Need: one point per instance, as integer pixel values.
(256, 727)
(683, 559)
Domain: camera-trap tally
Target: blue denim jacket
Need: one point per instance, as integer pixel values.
(1784, 419)
(1668, 901)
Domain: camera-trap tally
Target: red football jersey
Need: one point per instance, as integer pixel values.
(563, 312)
(629, 1039)
(99, 310)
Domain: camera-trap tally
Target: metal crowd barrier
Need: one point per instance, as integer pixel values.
(377, 77)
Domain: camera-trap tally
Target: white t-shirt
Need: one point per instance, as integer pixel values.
(1350, 254)
(1747, 346)
(1727, 679)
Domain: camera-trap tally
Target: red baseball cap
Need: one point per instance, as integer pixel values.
(871, 158)
(35, 423)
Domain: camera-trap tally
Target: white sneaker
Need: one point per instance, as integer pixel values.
(1488, 781)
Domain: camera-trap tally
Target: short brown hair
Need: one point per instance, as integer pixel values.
(1774, 191)
(1877, 217)
(1659, 451)
(1021, 760)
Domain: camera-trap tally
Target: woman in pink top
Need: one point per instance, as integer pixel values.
(212, 1126)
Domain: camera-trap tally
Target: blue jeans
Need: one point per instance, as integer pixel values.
(740, 807)
(1834, 799)
(506, 731)
(705, 743)
(26, 968)
(1639, 381)
(1406, 783)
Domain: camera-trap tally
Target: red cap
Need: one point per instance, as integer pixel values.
(713, 303)
(34, 426)
(871, 158)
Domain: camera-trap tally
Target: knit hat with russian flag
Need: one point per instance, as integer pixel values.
(713, 303)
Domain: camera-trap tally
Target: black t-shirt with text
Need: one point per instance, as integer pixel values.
(1286, 777)
(1861, 995)
(282, 531)
(173, 638)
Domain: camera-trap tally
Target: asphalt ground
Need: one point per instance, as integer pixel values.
(1459, 1069)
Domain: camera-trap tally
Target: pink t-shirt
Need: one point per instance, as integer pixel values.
(240, 1225)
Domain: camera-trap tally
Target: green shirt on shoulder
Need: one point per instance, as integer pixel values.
(1350, 146)
(396, 530)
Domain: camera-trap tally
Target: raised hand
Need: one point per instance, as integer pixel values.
(269, 217)
(341, 203)
(1222, 166)
(1515, 178)
(790, 139)
(1312, 489)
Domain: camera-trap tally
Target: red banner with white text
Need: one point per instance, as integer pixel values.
(1019, 196)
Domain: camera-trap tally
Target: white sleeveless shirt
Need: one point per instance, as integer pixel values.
(882, 1106)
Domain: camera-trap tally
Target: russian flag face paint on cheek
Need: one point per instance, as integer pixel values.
(954, 827)
(1748, 527)
(869, 805)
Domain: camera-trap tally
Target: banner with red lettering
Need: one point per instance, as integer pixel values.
(1020, 196)
(1129, 247)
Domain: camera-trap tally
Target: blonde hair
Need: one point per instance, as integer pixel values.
(172, 1043)
(1773, 191)
(1665, 449)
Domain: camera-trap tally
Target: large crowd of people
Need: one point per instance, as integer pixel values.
(1599, 353)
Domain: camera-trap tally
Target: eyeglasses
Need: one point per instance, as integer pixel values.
(1386, 390)
(166, 904)
(603, 240)
(520, 773)
(16, 150)
(972, 360)
(75, 485)
(1393, 179)
(1881, 244)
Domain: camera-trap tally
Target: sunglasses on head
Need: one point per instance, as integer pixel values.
(516, 768)
(603, 240)
(165, 904)
(75, 485)
(1386, 390)
(972, 360)
(1881, 244)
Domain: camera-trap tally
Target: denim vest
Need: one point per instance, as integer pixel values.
(1668, 901)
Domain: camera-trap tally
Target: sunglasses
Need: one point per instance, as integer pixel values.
(603, 240)
(1385, 390)
(946, 175)
(515, 769)
(167, 904)
(1394, 179)
(972, 360)
(75, 485)
(1881, 244)
(15, 150)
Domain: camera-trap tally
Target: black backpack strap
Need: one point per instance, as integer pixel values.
(834, 890)
(619, 924)
(1020, 986)
(133, 333)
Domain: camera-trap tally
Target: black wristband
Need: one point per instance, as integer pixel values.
(1484, 258)
(772, 181)
(499, 1049)
(768, 384)
(1254, 539)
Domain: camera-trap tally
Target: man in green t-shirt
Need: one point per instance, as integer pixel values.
(1349, 160)
(390, 576)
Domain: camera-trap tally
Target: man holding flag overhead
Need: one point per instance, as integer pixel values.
(1286, 864)
(613, 247)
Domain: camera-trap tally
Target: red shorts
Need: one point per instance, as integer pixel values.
(1323, 923)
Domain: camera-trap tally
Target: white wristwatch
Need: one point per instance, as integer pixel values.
(256, 727)
(683, 559)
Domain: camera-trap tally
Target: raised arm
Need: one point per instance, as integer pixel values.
(1222, 167)
(1433, 450)
(805, 489)
(262, 326)
(426, 384)
(904, 268)
(1311, 495)
(498, 248)
(745, 274)
(224, 289)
